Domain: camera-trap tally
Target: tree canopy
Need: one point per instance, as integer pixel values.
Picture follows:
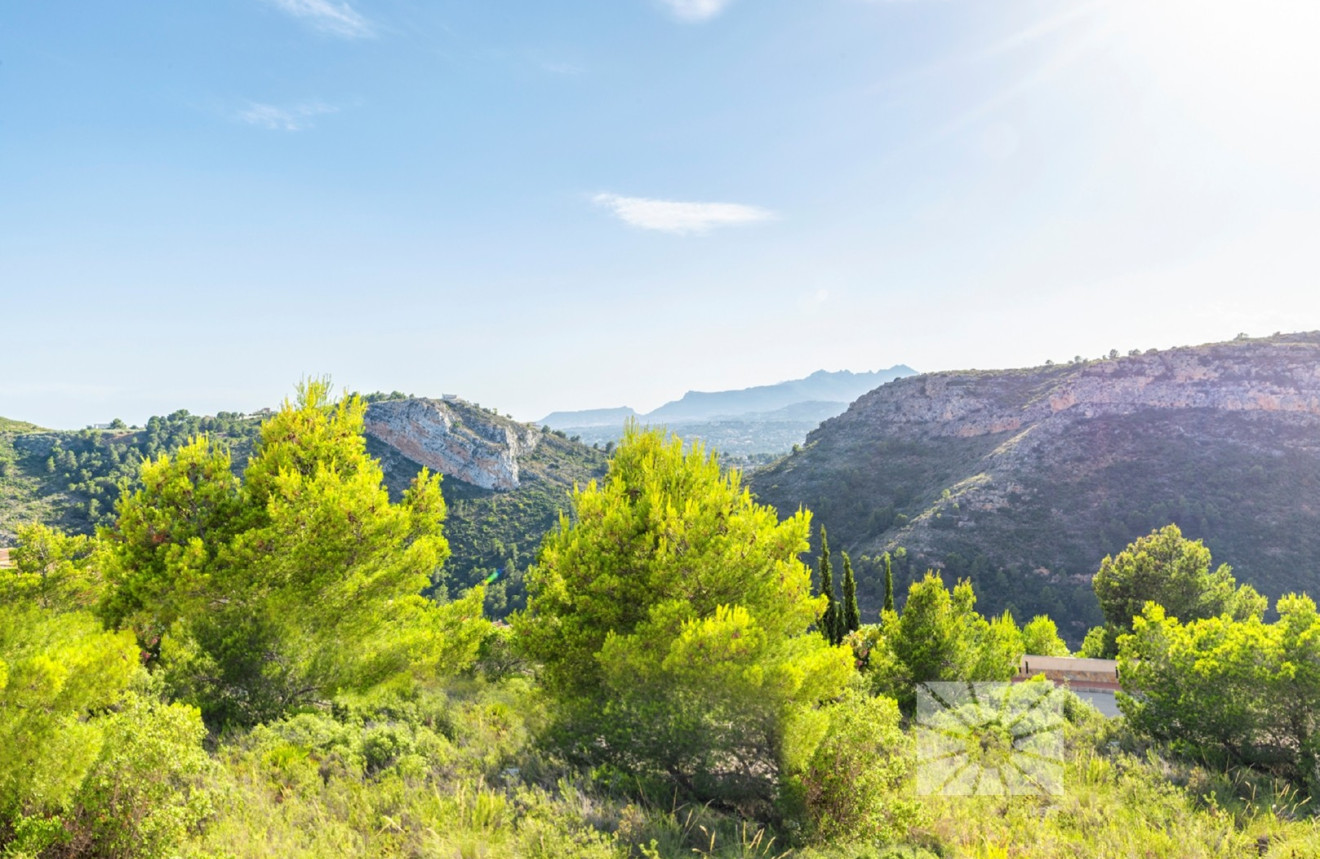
(246, 591)
(1243, 690)
(939, 636)
(670, 618)
(1166, 568)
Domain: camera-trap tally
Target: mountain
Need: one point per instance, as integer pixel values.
(589, 418)
(72, 479)
(1023, 480)
(751, 424)
(9, 425)
(505, 483)
(821, 386)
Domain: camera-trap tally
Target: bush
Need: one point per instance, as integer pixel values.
(851, 786)
(144, 795)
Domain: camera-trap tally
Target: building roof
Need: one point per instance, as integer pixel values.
(4, 559)
(1069, 663)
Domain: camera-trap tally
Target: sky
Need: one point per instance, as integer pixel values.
(592, 203)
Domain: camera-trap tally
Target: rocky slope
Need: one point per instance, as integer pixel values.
(505, 483)
(1024, 479)
(454, 438)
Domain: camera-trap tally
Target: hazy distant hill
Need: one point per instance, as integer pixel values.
(842, 386)
(589, 418)
(1025, 479)
(767, 419)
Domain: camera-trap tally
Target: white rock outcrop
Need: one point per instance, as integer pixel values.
(454, 438)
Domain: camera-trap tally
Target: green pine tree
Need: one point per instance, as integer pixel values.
(889, 583)
(828, 620)
(852, 616)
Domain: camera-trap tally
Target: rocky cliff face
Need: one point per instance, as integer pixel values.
(1277, 375)
(1025, 479)
(506, 484)
(454, 438)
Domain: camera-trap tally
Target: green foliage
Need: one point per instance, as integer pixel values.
(88, 765)
(51, 569)
(144, 795)
(889, 583)
(247, 592)
(830, 618)
(1123, 800)
(940, 636)
(1242, 690)
(851, 616)
(74, 480)
(421, 772)
(1095, 644)
(670, 618)
(11, 425)
(163, 548)
(381, 396)
(56, 671)
(80, 476)
(1165, 568)
(855, 784)
(1040, 637)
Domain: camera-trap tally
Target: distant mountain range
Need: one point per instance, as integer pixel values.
(1023, 480)
(762, 420)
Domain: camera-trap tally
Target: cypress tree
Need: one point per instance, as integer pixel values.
(828, 620)
(852, 616)
(889, 583)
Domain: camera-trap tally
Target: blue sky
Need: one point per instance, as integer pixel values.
(578, 204)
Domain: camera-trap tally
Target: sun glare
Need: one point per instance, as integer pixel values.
(1247, 71)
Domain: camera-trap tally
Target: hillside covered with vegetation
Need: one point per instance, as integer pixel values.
(72, 480)
(1021, 480)
(495, 533)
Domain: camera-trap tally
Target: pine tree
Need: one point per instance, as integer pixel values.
(852, 616)
(828, 620)
(643, 655)
(889, 583)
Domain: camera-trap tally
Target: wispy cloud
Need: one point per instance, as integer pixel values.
(672, 216)
(696, 10)
(339, 19)
(293, 118)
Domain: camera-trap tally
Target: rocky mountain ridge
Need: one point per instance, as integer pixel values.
(1028, 477)
(1276, 376)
